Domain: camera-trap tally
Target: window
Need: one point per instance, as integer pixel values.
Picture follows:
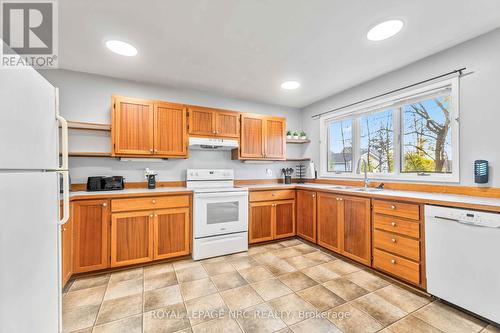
(340, 146)
(412, 136)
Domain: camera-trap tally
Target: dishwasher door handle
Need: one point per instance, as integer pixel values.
(472, 224)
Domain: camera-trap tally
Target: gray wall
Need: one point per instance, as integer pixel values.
(87, 97)
(479, 98)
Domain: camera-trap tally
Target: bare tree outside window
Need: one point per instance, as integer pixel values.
(340, 146)
(427, 136)
(377, 141)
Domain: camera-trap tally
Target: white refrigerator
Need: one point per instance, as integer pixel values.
(30, 173)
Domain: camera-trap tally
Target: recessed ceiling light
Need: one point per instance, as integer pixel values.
(121, 48)
(290, 85)
(385, 30)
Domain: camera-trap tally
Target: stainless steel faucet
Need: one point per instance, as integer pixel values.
(366, 181)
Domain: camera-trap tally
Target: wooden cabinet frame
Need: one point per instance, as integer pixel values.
(273, 221)
(114, 242)
(187, 233)
(151, 130)
(78, 266)
(265, 151)
(313, 211)
(216, 129)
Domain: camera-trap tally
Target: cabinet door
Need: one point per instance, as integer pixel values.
(252, 136)
(261, 221)
(131, 238)
(306, 215)
(275, 144)
(66, 250)
(170, 131)
(171, 233)
(329, 219)
(201, 121)
(132, 126)
(90, 235)
(284, 225)
(228, 124)
(356, 229)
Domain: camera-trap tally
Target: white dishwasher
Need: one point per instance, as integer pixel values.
(462, 249)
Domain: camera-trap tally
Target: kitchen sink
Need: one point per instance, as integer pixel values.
(369, 189)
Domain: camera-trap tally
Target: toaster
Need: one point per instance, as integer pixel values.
(105, 183)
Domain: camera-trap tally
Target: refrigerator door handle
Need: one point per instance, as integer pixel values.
(65, 215)
(64, 136)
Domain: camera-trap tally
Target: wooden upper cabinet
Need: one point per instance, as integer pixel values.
(132, 126)
(356, 229)
(252, 136)
(202, 121)
(261, 221)
(227, 124)
(275, 144)
(172, 236)
(262, 137)
(306, 215)
(213, 122)
(131, 238)
(170, 130)
(90, 235)
(329, 221)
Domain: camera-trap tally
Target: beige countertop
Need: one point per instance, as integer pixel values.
(453, 200)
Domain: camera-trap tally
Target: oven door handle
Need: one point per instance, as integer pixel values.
(221, 195)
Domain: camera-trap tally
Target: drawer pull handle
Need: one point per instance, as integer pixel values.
(393, 224)
(153, 201)
(393, 207)
(393, 262)
(393, 240)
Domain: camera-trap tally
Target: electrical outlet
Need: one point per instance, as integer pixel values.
(269, 172)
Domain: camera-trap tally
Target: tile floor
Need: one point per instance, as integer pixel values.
(288, 286)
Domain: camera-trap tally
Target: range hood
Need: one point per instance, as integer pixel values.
(212, 144)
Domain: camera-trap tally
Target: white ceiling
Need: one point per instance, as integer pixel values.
(246, 48)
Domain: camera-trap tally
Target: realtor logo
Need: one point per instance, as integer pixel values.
(29, 33)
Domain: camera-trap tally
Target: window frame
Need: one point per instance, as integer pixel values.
(382, 104)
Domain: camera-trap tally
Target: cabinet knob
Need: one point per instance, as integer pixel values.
(153, 201)
(393, 207)
(340, 199)
(393, 262)
(151, 215)
(104, 204)
(393, 224)
(314, 195)
(151, 150)
(156, 215)
(156, 150)
(64, 229)
(393, 240)
(214, 132)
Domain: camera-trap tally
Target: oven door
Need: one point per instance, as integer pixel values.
(220, 213)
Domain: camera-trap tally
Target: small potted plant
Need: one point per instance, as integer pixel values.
(296, 135)
(303, 135)
(288, 135)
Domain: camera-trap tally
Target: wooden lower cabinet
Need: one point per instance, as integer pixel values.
(344, 225)
(270, 220)
(90, 220)
(329, 221)
(66, 251)
(131, 238)
(306, 215)
(356, 229)
(172, 233)
(261, 222)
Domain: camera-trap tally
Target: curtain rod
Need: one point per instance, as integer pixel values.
(459, 71)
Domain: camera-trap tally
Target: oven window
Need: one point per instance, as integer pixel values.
(222, 212)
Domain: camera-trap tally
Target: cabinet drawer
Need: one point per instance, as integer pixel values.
(397, 225)
(397, 266)
(272, 195)
(130, 204)
(403, 246)
(393, 208)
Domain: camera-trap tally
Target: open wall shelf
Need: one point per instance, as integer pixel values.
(298, 141)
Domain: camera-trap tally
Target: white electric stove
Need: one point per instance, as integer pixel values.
(220, 213)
